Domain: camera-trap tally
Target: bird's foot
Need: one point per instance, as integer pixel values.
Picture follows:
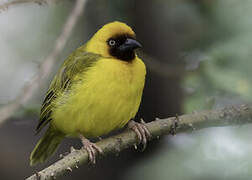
(143, 134)
(91, 149)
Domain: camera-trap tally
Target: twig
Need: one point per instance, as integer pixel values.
(46, 65)
(7, 3)
(241, 114)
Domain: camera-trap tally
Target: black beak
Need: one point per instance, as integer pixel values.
(130, 45)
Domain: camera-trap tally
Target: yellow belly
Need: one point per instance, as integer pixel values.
(106, 98)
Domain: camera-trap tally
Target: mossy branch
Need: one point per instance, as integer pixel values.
(235, 115)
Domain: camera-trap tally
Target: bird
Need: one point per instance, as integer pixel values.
(97, 89)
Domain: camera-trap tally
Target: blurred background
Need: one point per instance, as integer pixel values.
(198, 55)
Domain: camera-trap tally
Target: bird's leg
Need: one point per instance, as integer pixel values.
(141, 131)
(91, 148)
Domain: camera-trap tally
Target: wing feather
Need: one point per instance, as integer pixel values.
(78, 62)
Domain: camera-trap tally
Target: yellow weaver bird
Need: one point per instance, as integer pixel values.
(96, 90)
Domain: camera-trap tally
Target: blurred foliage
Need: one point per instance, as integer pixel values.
(224, 73)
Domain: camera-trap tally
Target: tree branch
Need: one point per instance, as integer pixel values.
(238, 115)
(46, 65)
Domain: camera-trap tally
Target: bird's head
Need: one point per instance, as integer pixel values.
(114, 40)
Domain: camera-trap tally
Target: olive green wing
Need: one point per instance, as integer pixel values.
(78, 62)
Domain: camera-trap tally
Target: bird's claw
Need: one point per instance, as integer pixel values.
(141, 131)
(91, 149)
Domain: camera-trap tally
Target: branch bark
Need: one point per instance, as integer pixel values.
(228, 116)
(46, 65)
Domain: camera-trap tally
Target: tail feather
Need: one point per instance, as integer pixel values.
(46, 146)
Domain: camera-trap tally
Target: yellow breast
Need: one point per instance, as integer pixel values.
(106, 98)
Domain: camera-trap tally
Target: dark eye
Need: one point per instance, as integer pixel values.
(112, 42)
